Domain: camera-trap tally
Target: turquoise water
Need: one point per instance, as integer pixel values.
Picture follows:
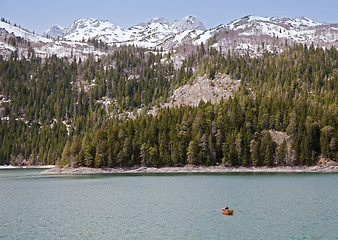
(168, 206)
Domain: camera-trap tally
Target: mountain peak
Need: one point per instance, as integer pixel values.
(86, 23)
(55, 32)
(188, 23)
(89, 28)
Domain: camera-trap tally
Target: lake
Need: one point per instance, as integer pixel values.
(168, 206)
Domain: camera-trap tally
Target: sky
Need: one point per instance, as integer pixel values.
(39, 15)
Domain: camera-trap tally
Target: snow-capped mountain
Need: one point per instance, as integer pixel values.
(17, 39)
(157, 31)
(253, 34)
(250, 34)
(55, 32)
(298, 29)
(84, 29)
(242, 35)
(148, 34)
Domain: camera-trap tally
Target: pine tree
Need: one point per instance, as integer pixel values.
(233, 156)
(144, 154)
(65, 158)
(153, 156)
(88, 152)
(255, 153)
(192, 153)
(282, 153)
(267, 149)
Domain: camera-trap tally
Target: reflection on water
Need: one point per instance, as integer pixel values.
(167, 206)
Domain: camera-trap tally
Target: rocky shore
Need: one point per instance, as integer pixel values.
(191, 169)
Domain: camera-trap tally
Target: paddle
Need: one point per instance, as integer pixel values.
(238, 211)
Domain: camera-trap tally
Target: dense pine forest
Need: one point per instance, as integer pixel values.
(53, 109)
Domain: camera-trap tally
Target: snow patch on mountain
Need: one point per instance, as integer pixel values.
(69, 49)
(203, 37)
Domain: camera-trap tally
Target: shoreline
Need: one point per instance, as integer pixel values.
(26, 167)
(194, 169)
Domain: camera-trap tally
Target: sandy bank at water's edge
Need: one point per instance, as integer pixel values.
(190, 169)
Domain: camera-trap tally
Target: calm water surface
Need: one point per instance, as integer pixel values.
(168, 206)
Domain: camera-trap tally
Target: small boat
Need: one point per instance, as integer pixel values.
(227, 211)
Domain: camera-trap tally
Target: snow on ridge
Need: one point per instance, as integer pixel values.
(19, 32)
(299, 29)
(293, 22)
(306, 22)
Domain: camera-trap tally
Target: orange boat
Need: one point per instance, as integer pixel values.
(227, 211)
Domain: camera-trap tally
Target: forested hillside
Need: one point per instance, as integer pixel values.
(53, 109)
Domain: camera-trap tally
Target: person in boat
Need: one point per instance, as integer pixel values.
(226, 208)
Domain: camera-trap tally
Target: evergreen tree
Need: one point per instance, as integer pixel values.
(267, 149)
(192, 153)
(282, 152)
(233, 156)
(66, 154)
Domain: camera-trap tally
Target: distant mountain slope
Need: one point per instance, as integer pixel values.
(22, 33)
